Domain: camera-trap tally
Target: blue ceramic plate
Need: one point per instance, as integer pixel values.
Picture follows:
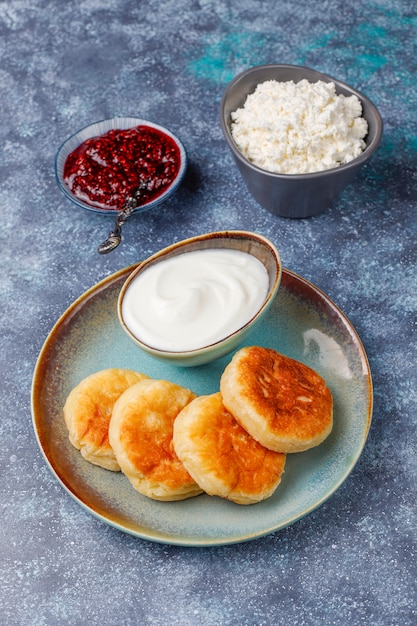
(302, 323)
(100, 128)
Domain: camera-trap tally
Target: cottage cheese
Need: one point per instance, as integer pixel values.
(297, 128)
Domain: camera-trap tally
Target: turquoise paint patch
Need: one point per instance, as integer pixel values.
(365, 49)
(412, 142)
(374, 57)
(223, 58)
(322, 41)
(392, 146)
(364, 65)
(372, 32)
(369, 64)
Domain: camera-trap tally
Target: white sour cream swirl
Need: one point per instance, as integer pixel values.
(194, 299)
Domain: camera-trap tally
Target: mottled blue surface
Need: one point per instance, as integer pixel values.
(67, 64)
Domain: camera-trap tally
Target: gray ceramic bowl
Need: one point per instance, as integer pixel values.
(295, 195)
(252, 243)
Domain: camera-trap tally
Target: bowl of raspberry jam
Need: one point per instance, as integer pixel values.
(102, 165)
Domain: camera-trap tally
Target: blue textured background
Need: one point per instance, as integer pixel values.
(67, 64)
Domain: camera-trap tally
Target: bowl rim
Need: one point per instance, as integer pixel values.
(175, 249)
(354, 163)
(100, 127)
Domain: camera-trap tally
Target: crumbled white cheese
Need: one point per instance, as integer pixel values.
(297, 128)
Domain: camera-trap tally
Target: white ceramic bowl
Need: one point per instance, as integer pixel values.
(258, 246)
(100, 128)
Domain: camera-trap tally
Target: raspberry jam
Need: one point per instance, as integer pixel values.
(103, 171)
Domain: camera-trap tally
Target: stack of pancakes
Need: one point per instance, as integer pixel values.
(172, 444)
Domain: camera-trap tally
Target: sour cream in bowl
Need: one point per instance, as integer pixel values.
(198, 299)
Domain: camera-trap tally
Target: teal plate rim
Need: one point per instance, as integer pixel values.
(303, 323)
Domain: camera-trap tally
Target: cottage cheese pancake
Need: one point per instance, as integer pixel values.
(140, 433)
(88, 409)
(282, 403)
(221, 456)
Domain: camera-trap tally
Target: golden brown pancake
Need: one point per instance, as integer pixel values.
(88, 409)
(140, 434)
(221, 456)
(282, 403)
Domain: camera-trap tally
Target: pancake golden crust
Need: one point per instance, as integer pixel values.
(221, 456)
(282, 403)
(88, 409)
(140, 434)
